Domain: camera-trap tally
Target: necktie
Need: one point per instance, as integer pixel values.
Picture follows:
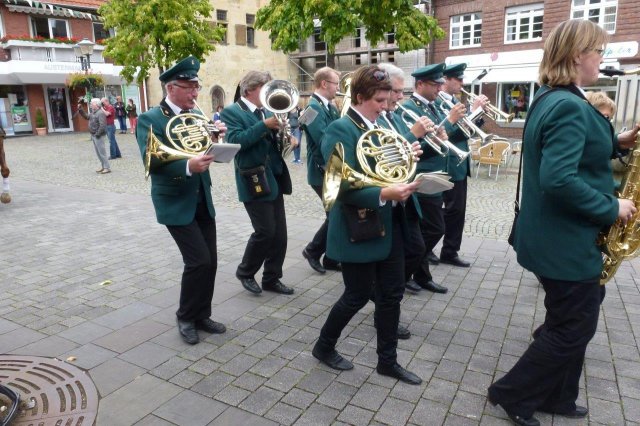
(258, 112)
(432, 109)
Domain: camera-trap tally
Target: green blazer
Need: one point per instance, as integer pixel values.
(347, 130)
(314, 132)
(430, 161)
(258, 147)
(567, 187)
(173, 193)
(457, 137)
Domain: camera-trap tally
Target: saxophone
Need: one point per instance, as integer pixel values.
(622, 241)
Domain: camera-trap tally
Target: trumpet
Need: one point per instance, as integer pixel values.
(490, 111)
(433, 141)
(465, 123)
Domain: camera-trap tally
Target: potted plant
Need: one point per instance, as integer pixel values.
(41, 123)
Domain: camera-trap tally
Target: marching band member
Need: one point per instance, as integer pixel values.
(427, 84)
(371, 261)
(262, 178)
(181, 195)
(326, 81)
(455, 200)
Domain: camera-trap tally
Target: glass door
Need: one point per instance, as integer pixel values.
(58, 105)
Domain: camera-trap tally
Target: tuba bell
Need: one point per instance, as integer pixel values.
(189, 135)
(280, 97)
(385, 157)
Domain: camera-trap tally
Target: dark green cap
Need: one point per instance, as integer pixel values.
(455, 70)
(430, 72)
(186, 69)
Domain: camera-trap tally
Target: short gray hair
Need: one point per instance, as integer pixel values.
(392, 70)
(252, 80)
(96, 101)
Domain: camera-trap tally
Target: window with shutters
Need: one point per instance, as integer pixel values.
(241, 35)
(251, 32)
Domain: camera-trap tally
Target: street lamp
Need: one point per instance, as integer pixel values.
(83, 51)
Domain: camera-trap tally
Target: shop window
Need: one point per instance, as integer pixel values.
(602, 12)
(524, 23)
(466, 30)
(49, 27)
(515, 98)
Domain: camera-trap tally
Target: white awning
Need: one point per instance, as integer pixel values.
(503, 74)
(37, 72)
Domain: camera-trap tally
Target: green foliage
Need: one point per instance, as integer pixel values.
(157, 33)
(40, 121)
(87, 81)
(291, 21)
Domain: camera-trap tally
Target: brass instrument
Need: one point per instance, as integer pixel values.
(280, 97)
(490, 111)
(466, 124)
(432, 139)
(622, 241)
(345, 92)
(189, 135)
(385, 157)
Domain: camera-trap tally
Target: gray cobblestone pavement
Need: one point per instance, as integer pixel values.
(69, 230)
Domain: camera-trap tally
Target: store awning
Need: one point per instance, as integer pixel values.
(37, 72)
(503, 74)
(41, 8)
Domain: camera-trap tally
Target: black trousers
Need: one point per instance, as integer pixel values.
(318, 245)
(455, 208)
(268, 243)
(432, 229)
(414, 248)
(197, 244)
(547, 375)
(386, 278)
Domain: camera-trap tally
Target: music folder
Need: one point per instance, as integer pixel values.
(223, 152)
(432, 183)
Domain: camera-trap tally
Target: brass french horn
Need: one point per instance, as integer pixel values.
(188, 134)
(385, 157)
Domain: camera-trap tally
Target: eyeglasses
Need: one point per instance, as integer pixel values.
(397, 91)
(380, 75)
(599, 51)
(189, 88)
(333, 82)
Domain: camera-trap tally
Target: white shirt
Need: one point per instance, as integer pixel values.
(324, 100)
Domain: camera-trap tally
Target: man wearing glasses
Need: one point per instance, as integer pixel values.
(181, 195)
(326, 81)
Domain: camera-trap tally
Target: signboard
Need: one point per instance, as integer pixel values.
(20, 116)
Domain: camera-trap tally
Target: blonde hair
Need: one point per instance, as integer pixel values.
(324, 73)
(563, 45)
(601, 100)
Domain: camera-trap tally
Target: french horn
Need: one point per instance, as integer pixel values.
(385, 157)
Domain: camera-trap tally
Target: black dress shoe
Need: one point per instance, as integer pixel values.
(403, 332)
(331, 265)
(432, 286)
(277, 287)
(333, 359)
(578, 413)
(432, 258)
(313, 262)
(251, 285)
(455, 261)
(210, 326)
(397, 372)
(412, 285)
(188, 331)
(519, 420)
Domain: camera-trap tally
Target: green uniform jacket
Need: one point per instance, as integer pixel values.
(314, 132)
(567, 189)
(457, 137)
(257, 148)
(430, 161)
(339, 247)
(174, 194)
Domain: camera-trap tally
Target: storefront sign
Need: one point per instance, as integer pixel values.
(625, 49)
(20, 116)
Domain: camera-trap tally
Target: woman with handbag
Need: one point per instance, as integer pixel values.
(365, 235)
(567, 199)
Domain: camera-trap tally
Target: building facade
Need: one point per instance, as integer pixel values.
(505, 38)
(37, 58)
(243, 49)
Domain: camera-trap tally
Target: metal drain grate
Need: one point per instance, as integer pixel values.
(61, 394)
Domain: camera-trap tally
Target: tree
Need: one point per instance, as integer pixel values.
(291, 21)
(157, 33)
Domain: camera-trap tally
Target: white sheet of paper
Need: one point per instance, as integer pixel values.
(431, 183)
(223, 152)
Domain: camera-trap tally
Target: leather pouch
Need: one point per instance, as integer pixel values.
(364, 224)
(256, 182)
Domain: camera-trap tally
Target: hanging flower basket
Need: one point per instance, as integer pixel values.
(87, 81)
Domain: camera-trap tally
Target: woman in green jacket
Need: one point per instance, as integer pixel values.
(567, 199)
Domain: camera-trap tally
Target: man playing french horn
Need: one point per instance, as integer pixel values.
(181, 193)
(366, 221)
(262, 178)
(428, 80)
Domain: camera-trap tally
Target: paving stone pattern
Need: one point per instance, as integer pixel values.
(87, 272)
